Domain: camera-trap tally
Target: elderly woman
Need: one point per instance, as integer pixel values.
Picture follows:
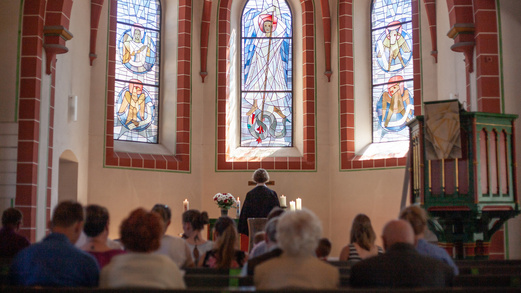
(259, 201)
(193, 224)
(96, 228)
(141, 234)
(298, 233)
(362, 240)
(224, 255)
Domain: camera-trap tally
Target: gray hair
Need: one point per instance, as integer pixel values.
(298, 232)
(261, 176)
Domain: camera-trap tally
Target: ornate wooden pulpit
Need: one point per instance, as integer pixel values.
(470, 196)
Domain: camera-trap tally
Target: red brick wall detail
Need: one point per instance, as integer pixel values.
(348, 158)
(308, 160)
(35, 14)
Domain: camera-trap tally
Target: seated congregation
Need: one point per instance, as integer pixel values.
(291, 253)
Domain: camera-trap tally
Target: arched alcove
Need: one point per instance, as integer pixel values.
(68, 177)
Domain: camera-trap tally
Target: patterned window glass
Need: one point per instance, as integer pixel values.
(392, 66)
(266, 74)
(136, 89)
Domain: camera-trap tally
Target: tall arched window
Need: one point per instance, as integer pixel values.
(392, 70)
(266, 74)
(136, 87)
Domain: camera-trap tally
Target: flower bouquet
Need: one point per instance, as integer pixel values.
(225, 201)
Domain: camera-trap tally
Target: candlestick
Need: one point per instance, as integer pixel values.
(292, 205)
(299, 203)
(185, 205)
(282, 201)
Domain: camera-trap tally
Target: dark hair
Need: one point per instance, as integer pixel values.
(271, 229)
(225, 227)
(164, 211)
(362, 232)
(261, 176)
(323, 248)
(11, 217)
(66, 214)
(196, 219)
(275, 212)
(141, 231)
(96, 220)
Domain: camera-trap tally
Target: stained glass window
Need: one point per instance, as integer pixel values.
(266, 74)
(392, 69)
(136, 94)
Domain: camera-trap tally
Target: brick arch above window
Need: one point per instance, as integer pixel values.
(349, 158)
(303, 157)
(179, 158)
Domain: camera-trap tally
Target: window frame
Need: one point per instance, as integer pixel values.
(173, 152)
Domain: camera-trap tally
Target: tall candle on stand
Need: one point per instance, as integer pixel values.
(282, 201)
(238, 206)
(292, 205)
(299, 203)
(185, 205)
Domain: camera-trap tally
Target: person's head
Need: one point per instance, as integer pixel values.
(268, 25)
(68, 219)
(274, 213)
(12, 218)
(194, 221)
(323, 248)
(137, 35)
(271, 231)
(165, 213)
(141, 231)
(96, 221)
(226, 239)
(362, 232)
(261, 176)
(259, 237)
(298, 232)
(417, 217)
(397, 231)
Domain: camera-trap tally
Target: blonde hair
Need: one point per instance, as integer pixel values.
(416, 216)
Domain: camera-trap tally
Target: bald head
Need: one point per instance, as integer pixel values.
(397, 231)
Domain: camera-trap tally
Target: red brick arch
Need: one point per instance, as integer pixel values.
(306, 162)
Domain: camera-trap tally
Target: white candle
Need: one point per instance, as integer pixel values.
(238, 206)
(299, 203)
(185, 205)
(282, 201)
(292, 205)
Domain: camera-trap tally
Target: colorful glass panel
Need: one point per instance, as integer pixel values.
(136, 91)
(392, 67)
(266, 74)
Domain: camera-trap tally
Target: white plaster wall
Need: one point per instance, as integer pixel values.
(9, 27)
(73, 78)
(510, 14)
(451, 65)
(429, 66)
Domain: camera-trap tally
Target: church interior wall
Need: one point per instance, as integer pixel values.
(335, 196)
(510, 12)
(73, 79)
(451, 67)
(9, 22)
